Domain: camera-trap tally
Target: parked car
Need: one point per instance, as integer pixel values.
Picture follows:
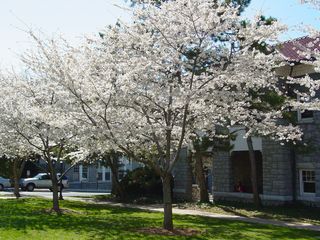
(4, 183)
(41, 180)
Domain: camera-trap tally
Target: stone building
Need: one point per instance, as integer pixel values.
(285, 173)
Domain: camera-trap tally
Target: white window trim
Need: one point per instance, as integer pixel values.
(104, 171)
(80, 174)
(299, 114)
(303, 120)
(302, 193)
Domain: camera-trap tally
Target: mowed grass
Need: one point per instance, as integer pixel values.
(29, 219)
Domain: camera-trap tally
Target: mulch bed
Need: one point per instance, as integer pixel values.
(186, 232)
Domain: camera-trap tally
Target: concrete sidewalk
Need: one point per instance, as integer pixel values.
(159, 208)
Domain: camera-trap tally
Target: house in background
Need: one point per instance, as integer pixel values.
(284, 173)
(96, 177)
(92, 177)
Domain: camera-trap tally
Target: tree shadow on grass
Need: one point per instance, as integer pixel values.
(291, 212)
(100, 221)
(232, 229)
(106, 222)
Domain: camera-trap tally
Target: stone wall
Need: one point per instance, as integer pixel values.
(277, 173)
(318, 180)
(182, 174)
(222, 173)
(309, 158)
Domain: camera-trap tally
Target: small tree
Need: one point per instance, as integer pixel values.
(31, 122)
(158, 87)
(12, 167)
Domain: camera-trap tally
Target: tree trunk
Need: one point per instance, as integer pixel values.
(60, 190)
(167, 202)
(54, 181)
(55, 197)
(16, 178)
(201, 179)
(18, 165)
(254, 179)
(117, 188)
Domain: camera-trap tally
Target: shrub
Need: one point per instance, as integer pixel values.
(142, 182)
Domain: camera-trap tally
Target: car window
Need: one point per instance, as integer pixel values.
(46, 177)
(38, 176)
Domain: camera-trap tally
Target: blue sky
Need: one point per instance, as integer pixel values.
(290, 12)
(74, 18)
(70, 18)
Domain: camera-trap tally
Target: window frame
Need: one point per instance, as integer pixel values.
(76, 168)
(302, 119)
(302, 193)
(103, 170)
(81, 178)
(300, 114)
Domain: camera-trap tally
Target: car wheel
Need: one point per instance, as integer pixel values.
(1, 187)
(30, 187)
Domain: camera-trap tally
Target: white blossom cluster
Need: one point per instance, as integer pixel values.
(308, 90)
(34, 117)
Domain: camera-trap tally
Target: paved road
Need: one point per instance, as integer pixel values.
(48, 194)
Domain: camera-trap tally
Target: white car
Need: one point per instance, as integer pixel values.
(4, 183)
(41, 180)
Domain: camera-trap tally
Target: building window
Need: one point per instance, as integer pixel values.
(306, 115)
(76, 169)
(307, 182)
(83, 173)
(103, 174)
(100, 176)
(107, 176)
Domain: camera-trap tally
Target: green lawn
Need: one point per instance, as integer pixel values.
(28, 219)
